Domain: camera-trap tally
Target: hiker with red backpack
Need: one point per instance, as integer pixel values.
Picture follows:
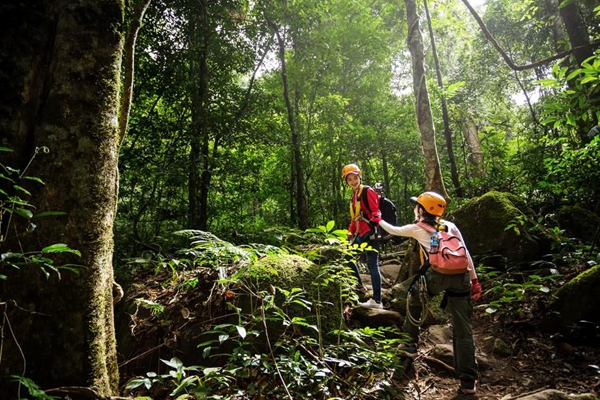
(364, 217)
(446, 265)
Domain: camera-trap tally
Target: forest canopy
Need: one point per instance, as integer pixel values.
(123, 124)
(218, 141)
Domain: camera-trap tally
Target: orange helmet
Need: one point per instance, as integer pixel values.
(350, 169)
(431, 202)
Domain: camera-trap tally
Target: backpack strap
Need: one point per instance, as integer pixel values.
(364, 199)
(427, 227)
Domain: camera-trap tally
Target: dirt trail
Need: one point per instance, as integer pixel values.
(536, 363)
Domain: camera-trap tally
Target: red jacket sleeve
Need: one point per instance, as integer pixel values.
(373, 214)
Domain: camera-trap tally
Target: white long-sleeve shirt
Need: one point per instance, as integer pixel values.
(423, 237)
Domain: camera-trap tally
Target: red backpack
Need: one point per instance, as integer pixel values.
(450, 257)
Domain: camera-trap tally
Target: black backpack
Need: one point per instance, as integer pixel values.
(389, 213)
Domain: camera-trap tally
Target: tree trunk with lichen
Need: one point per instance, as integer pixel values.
(60, 91)
(433, 173)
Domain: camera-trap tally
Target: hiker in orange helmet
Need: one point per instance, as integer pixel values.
(365, 215)
(460, 289)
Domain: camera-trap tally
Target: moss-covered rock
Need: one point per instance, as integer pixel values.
(498, 223)
(574, 302)
(317, 297)
(577, 222)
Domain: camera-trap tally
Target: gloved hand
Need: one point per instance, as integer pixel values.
(475, 289)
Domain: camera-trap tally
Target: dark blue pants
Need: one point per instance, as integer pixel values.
(372, 262)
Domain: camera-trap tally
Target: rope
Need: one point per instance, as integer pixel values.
(423, 297)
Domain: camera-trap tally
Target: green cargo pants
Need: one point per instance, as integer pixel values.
(459, 306)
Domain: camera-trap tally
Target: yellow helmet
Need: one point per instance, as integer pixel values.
(350, 169)
(431, 202)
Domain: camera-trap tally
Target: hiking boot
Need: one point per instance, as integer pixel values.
(371, 304)
(468, 388)
(361, 289)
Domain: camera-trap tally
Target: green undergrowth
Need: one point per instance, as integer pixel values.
(286, 334)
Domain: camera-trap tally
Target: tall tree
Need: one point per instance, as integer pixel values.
(433, 174)
(298, 171)
(445, 118)
(61, 92)
(199, 168)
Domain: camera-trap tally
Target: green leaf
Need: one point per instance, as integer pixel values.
(330, 226)
(6, 149)
(35, 179)
(23, 213)
(2, 176)
(211, 371)
(452, 89)
(22, 189)
(175, 362)
(242, 331)
(49, 214)
(589, 79)
(9, 254)
(546, 82)
(573, 74)
(60, 248)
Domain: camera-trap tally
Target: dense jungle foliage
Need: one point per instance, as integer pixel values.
(220, 156)
(241, 117)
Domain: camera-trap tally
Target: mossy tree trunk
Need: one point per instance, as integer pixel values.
(60, 90)
(433, 173)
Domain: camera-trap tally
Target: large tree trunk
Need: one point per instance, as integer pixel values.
(433, 173)
(578, 34)
(445, 118)
(60, 91)
(298, 170)
(474, 149)
(199, 173)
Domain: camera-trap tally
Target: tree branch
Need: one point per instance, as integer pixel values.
(132, 33)
(505, 56)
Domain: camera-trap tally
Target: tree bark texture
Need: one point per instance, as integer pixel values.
(578, 35)
(298, 175)
(60, 90)
(129, 69)
(475, 152)
(199, 174)
(433, 174)
(445, 117)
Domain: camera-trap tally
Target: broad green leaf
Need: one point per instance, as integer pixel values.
(573, 74)
(330, 225)
(60, 248)
(173, 363)
(211, 371)
(23, 213)
(242, 331)
(588, 79)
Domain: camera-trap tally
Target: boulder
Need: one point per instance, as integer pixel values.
(497, 224)
(575, 309)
